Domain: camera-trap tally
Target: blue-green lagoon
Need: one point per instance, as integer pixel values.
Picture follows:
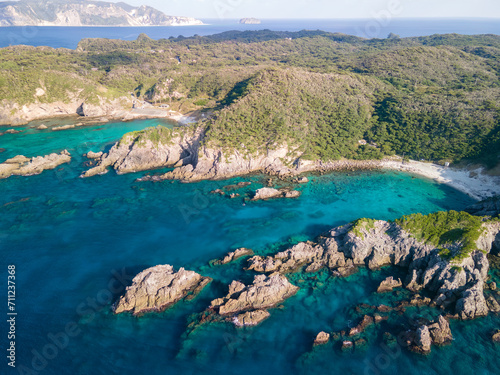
(77, 242)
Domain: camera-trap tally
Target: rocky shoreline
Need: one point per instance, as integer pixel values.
(194, 160)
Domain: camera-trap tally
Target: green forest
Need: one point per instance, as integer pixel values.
(327, 95)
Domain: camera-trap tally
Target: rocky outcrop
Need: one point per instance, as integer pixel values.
(94, 155)
(456, 283)
(156, 288)
(232, 256)
(322, 338)
(270, 193)
(438, 333)
(23, 166)
(264, 293)
(389, 284)
(149, 149)
(495, 337)
(251, 318)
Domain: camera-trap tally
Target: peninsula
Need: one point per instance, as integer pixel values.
(84, 13)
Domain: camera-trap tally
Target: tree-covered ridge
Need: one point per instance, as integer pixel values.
(322, 115)
(433, 98)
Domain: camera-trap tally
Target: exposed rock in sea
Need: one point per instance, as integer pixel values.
(94, 155)
(232, 256)
(389, 284)
(42, 127)
(251, 318)
(11, 131)
(63, 127)
(322, 338)
(438, 333)
(22, 166)
(269, 193)
(366, 322)
(496, 336)
(264, 293)
(347, 345)
(156, 288)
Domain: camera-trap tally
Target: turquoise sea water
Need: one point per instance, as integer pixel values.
(76, 242)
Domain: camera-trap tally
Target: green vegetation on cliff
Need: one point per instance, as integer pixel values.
(433, 98)
(443, 229)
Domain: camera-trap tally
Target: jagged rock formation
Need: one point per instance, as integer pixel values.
(156, 288)
(85, 13)
(460, 282)
(264, 293)
(22, 166)
(389, 284)
(438, 333)
(206, 163)
(148, 149)
(232, 256)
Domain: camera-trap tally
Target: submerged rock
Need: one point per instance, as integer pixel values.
(22, 166)
(156, 288)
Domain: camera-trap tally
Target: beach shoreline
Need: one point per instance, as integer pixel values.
(473, 182)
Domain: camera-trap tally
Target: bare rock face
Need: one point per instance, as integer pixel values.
(270, 193)
(22, 166)
(389, 284)
(265, 292)
(322, 338)
(425, 336)
(472, 304)
(94, 155)
(232, 256)
(423, 340)
(156, 288)
(251, 318)
(146, 150)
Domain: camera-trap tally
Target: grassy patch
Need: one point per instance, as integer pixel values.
(362, 224)
(443, 229)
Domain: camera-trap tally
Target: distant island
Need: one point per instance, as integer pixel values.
(250, 21)
(85, 13)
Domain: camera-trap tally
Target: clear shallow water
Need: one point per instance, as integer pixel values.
(69, 239)
(68, 37)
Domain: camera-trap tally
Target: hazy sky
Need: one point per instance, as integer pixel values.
(325, 8)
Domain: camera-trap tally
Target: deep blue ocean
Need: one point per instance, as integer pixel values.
(74, 240)
(75, 243)
(377, 27)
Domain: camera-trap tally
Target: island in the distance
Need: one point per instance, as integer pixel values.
(250, 21)
(85, 13)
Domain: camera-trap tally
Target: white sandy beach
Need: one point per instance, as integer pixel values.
(472, 182)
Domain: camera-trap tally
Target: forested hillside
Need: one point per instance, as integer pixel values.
(434, 98)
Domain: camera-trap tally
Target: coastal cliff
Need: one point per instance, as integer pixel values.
(184, 149)
(85, 13)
